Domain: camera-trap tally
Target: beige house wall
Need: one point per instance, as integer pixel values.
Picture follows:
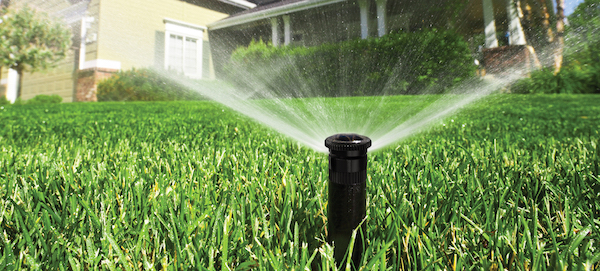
(133, 32)
(128, 33)
(58, 80)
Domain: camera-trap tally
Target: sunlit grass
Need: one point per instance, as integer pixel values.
(510, 183)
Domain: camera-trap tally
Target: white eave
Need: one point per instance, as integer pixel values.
(240, 3)
(269, 13)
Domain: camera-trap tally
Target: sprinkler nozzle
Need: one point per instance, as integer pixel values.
(347, 192)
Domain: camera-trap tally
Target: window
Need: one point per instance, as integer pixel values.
(183, 48)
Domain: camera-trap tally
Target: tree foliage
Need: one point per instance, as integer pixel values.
(581, 72)
(31, 40)
(583, 33)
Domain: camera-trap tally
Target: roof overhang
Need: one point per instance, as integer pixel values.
(269, 13)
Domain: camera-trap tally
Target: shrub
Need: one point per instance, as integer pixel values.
(3, 100)
(45, 99)
(143, 85)
(572, 79)
(399, 63)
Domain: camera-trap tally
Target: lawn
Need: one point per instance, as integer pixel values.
(512, 182)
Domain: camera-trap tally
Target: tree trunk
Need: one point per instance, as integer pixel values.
(546, 21)
(560, 32)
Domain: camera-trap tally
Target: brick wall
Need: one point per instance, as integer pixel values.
(87, 83)
(507, 58)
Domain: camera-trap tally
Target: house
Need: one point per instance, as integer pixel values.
(113, 35)
(313, 22)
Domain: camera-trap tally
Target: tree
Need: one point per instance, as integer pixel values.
(560, 39)
(31, 41)
(583, 33)
(4, 4)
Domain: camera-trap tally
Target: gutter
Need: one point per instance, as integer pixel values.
(269, 13)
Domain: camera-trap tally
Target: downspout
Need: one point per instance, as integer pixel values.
(85, 25)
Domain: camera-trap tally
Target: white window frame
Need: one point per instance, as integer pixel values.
(185, 30)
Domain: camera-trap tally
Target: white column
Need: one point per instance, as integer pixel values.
(381, 10)
(287, 30)
(516, 34)
(364, 18)
(490, 25)
(275, 31)
(11, 85)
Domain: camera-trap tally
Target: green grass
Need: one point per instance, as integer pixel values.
(510, 183)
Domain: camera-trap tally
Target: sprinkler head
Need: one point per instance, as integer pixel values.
(347, 192)
(347, 158)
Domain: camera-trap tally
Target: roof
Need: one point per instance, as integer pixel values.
(269, 11)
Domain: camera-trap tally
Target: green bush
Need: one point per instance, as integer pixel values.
(399, 63)
(143, 85)
(45, 99)
(3, 100)
(572, 79)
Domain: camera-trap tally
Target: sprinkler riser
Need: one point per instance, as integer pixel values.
(347, 209)
(347, 193)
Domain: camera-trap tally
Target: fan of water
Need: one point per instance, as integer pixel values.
(279, 95)
(295, 106)
(384, 119)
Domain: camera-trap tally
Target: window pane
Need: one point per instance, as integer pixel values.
(191, 56)
(176, 53)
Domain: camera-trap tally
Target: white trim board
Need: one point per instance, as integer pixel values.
(101, 63)
(188, 29)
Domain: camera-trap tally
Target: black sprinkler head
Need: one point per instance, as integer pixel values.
(347, 158)
(347, 192)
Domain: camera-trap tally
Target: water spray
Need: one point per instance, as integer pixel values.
(347, 193)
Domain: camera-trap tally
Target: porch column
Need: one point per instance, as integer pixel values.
(364, 18)
(490, 25)
(516, 34)
(381, 10)
(275, 31)
(287, 30)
